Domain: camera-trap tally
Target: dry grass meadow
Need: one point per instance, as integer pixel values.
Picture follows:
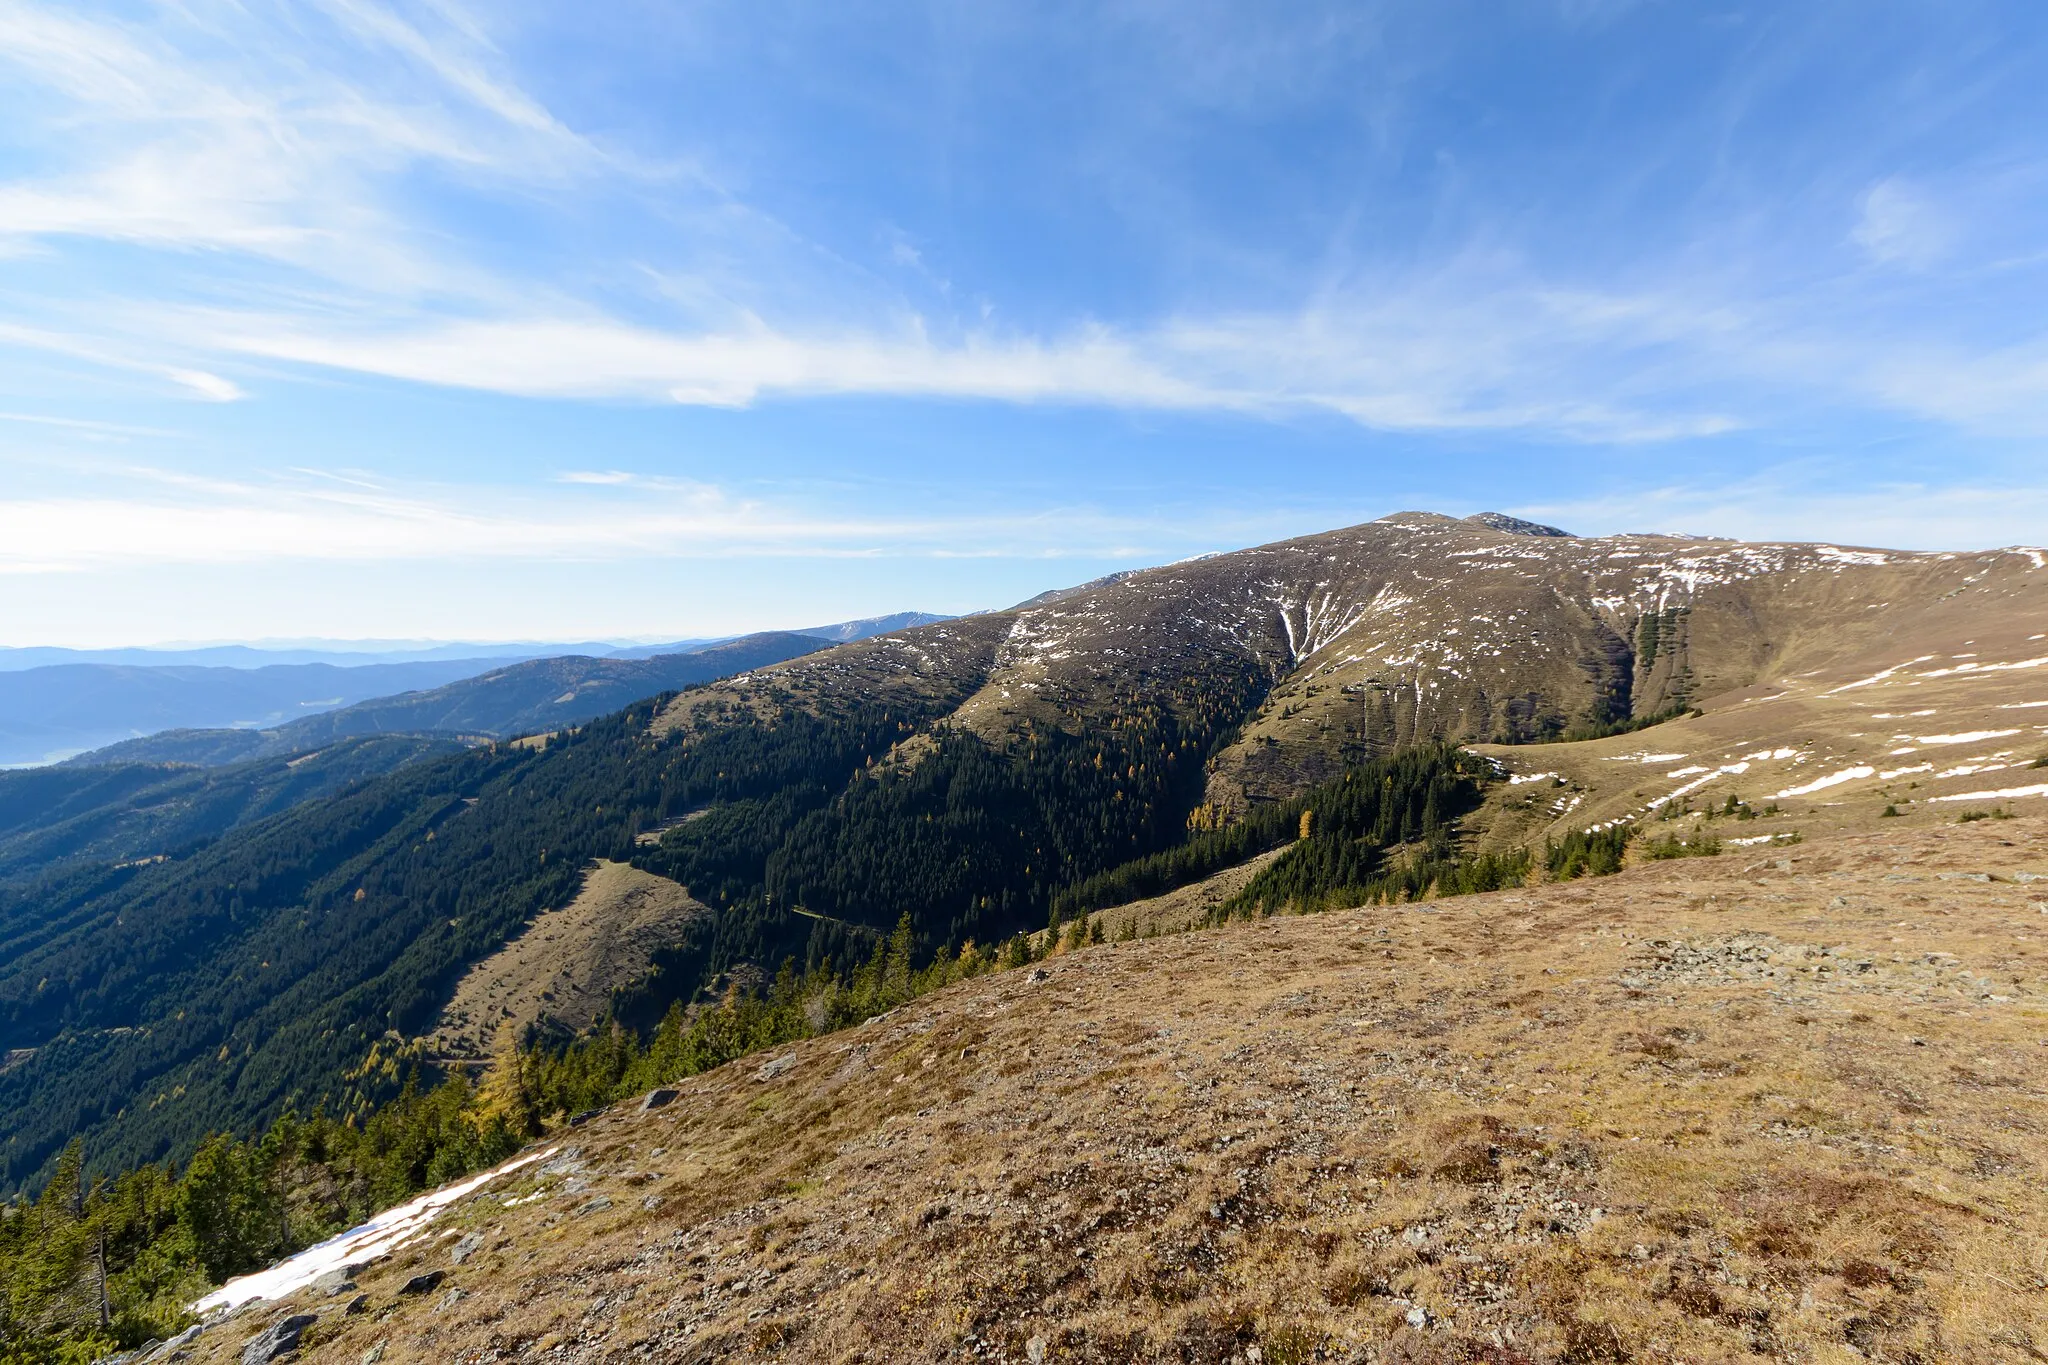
(1781, 1104)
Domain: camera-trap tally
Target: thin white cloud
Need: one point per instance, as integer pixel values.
(1820, 506)
(1900, 225)
(208, 386)
(201, 383)
(163, 517)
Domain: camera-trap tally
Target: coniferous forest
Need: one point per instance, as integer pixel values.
(275, 967)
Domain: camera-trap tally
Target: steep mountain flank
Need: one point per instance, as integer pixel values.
(1419, 626)
(50, 817)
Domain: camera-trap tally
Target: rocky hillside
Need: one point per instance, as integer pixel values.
(1762, 1106)
(1419, 626)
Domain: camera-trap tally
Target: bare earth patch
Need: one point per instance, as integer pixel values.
(1735, 1108)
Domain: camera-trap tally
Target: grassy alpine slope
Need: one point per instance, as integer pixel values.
(1738, 1107)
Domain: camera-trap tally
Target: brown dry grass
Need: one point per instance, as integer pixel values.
(1784, 1107)
(564, 966)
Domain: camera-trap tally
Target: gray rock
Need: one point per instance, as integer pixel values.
(770, 1070)
(657, 1099)
(596, 1205)
(358, 1304)
(568, 1163)
(373, 1355)
(424, 1284)
(281, 1338)
(466, 1248)
(339, 1280)
(174, 1349)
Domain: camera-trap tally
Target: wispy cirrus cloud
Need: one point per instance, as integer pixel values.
(315, 179)
(1445, 358)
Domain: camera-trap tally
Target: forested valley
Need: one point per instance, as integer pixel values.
(274, 967)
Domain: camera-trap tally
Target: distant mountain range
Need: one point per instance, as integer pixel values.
(57, 703)
(529, 697)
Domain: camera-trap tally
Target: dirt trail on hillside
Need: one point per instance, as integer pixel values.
(1785, 1106)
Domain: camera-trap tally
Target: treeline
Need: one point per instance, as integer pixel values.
(1384, 832)
(94, 1266)
(98, 1265)
(613, 1062)
(1605, 729)
(1205, 853)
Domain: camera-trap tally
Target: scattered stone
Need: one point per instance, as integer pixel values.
(450, 1299)
(1418, 1318)
(597, 1205)
(373, 1355)
(568, 1163)
(771, 1070)
(1034, 1351)
(424, 1284)
(465, 1248)
(358, 1304)
(339, 1280)
(578, 1120)
(174, 1348)
(279, 1339)
(657, 1099)
(1039, 974)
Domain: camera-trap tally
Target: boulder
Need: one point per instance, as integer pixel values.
(281, 1338)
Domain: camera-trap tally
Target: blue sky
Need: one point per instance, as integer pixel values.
(350, 319)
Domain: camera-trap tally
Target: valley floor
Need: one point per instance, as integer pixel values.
(1779, 1104)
